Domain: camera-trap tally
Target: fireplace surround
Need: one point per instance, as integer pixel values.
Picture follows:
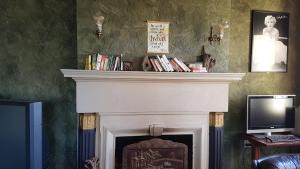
(151, 103)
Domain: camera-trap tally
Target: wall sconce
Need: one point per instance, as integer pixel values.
(99, 19)
(218, 36)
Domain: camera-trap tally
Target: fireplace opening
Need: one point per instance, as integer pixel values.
(143, 152)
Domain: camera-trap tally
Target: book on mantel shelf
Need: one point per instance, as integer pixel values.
(167, 64)
(103, 62)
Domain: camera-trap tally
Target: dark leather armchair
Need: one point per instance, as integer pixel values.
(280, 161)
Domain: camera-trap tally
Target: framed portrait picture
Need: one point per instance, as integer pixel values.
(270, 35)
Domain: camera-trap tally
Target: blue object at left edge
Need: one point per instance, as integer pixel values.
(21, 135)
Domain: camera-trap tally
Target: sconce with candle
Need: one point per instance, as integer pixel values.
(217, 37)
(99, 19)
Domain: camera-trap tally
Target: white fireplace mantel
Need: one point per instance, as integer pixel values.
(129, 102)
(101, 91)
(93, 75)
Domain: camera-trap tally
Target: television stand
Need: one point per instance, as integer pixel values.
(257, 142)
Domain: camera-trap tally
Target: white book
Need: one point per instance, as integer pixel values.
(116, 63)
(153, 65)
(98, 61)
(186, 67)
(162, 63)
(182, 65)
(159, 67)
(175, 65)
(179, 64)
(105, 63)
(168, 63)
(121, 62)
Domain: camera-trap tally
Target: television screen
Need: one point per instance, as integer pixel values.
(270, 113)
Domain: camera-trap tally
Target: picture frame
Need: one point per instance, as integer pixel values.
(158, 37)
(269, 36)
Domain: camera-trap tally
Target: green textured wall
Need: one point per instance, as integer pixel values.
(37, 38)
(125, 32)
(235, 155)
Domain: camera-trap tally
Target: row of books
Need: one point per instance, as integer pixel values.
(164, 64)
(104, 62)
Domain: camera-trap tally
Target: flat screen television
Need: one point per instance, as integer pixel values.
(20, 135)
(270, 113)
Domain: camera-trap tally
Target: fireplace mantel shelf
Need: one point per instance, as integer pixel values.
(132, 90)
(94, 75)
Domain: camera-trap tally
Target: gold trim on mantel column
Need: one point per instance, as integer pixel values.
(216, 119)
(88, 121)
